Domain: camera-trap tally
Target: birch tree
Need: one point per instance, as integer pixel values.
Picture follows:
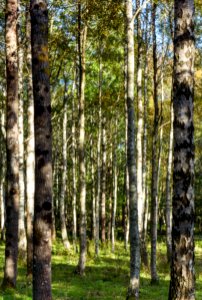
(12, 151)
(134, 232)
(182, 283)
(43, 152)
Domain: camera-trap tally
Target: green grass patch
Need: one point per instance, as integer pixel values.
(106, 277)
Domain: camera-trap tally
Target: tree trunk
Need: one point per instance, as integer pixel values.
(74, 167)
(126, 217)
(82, 169)
(43, 152)
(110, 191)
(182, 283)
(64, 177)
(114, 188)
(144, 254)
(139, 126)
(103, 193)
(154, 187)
(97, 205)
(22, 242)
(30, 158)
(12, 177)
(133, 290)
(168, 186)
(92, 185)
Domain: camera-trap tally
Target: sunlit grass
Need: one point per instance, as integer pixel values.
(106, 277)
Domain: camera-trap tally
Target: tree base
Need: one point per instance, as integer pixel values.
(132, 294)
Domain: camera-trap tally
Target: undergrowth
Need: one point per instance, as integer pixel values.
(106, 277)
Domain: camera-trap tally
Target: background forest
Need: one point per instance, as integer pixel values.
(90, 39)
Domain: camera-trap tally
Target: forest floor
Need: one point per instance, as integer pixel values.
(106, 277)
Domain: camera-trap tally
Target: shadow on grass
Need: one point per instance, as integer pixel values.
(106, 278)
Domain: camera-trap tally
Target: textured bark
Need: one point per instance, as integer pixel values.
(30, 157)
(22, 240)
(154, 187)
(64, 177)
(43, 152)
(103, 189)
(182, 284)
(133, 290)
(82, 170)
(114, 188)
(12, 177)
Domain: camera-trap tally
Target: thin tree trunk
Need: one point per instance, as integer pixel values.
(114, 188)
(182, 283)
(103, 190)
(43, 152)
(144, 254)
(110, 189)
(154, 187)
(139, 126)
(126, 218)
(12, 177)
(74, 167)
(97, 205)
(133, 290)
(30, 157)
(92, 185)
(64, 177)
(22, 242)
(82, 169)
(168, 187)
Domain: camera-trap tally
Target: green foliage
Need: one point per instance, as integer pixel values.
(106, 278)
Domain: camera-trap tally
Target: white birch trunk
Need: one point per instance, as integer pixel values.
(30, 145)
(64, 178)
(133, 290)
(114, 188)
(74, 168)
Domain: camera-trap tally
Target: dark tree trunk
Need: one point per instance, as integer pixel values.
(182, 284)
(12, 178)
(43, 152)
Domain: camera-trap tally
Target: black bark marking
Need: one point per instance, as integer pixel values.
(38, 208)
(41, 163)
(7, 253)
(49, 109)
(47, 205)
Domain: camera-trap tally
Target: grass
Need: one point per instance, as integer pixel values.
(106, 278)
